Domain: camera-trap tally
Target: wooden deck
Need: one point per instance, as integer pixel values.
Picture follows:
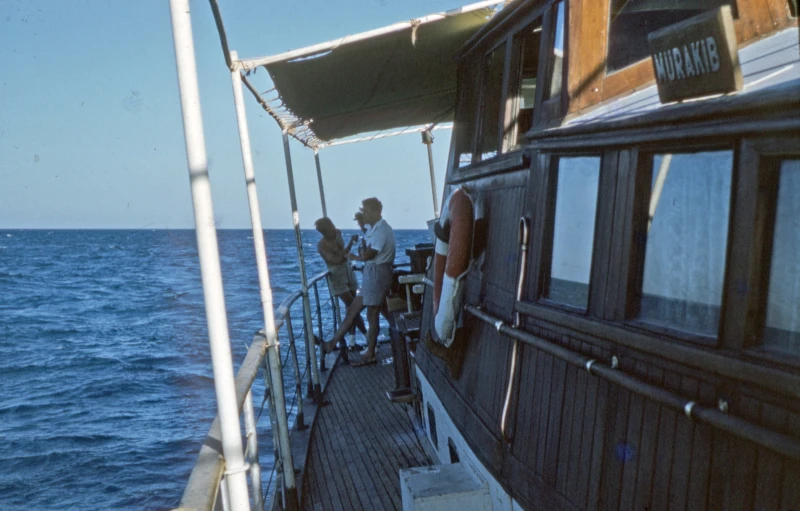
(360, 441)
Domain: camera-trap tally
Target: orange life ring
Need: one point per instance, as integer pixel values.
(453, 252)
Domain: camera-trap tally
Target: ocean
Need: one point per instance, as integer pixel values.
(106, 389)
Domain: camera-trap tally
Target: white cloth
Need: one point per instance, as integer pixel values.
(381, 239)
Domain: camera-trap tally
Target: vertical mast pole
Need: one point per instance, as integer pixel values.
(427, 139)
(208, 251)
(309, 325)
(319, 179)
(265, 290)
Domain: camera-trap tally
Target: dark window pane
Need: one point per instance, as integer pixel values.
(632, 20)
(488, 145)
(793, 8)
(684, 261)
(556, 71)
(783, 302)
(573, 231)
(529, 64)
(465, 116)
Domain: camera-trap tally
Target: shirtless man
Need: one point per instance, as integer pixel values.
(343, 283)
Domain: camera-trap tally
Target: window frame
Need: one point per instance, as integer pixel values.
(545, 228)
(479, 127)
(760, 160)
(639, 216)
(555, 107)
(509, 97)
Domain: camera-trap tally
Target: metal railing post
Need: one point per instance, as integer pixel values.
(276, 446)
(311, 353)
(251, 434)
(208, 251)
(337, 320)
(299, 420)
(224, 495)
(319, 180)
(319, 327)
(273, 351)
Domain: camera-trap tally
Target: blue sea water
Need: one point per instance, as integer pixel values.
(105, 375)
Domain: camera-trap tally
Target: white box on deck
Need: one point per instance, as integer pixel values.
(443, 487)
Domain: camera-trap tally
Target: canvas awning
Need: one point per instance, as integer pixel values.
(399, 76)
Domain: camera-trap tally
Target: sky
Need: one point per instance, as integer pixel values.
(90, 121)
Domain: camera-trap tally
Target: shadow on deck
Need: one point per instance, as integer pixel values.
(360, 441)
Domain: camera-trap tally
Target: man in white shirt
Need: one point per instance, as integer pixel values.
(378, 257)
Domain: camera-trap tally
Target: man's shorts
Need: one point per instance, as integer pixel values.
(343, 279)
(376, 284)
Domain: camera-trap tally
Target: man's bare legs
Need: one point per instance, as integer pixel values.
(374, 319)
(347, 298)
(350, 319)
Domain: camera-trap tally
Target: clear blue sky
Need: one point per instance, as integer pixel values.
(90, 123)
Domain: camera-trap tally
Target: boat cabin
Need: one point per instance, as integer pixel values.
(631, 329)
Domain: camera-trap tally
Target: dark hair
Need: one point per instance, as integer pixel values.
(325, 226)
(372, 203)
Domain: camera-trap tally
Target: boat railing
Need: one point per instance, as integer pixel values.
(206, 488)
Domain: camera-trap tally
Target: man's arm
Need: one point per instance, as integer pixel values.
(366, 254)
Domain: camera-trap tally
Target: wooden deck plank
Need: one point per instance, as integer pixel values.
(360, 442)
(363, 446)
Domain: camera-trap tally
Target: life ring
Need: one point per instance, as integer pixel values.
(453, 252)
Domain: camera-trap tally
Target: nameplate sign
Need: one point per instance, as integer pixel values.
(696, 57)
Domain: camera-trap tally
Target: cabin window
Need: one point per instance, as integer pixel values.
(529, 41)
(464, 125)
(555, 74)
(576, 187)
(793, 8)
(489, 141)
(782, 331)
(686, 241)
(630, 21)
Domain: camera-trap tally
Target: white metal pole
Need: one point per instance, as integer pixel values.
(216, 317)
(311, 351)
(251, 432)
(427, 139)
(265, 289)
(319, 180)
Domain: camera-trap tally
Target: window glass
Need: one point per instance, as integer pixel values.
(488, 145)
(782, 331)
(687, 235)
(556, 71)
(630, 21)
(573, 230)
(793, 8)
(529, 64)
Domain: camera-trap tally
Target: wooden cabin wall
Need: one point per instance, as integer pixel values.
(475, 398)
(588, 82)
(580, 442)
(576, 441)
